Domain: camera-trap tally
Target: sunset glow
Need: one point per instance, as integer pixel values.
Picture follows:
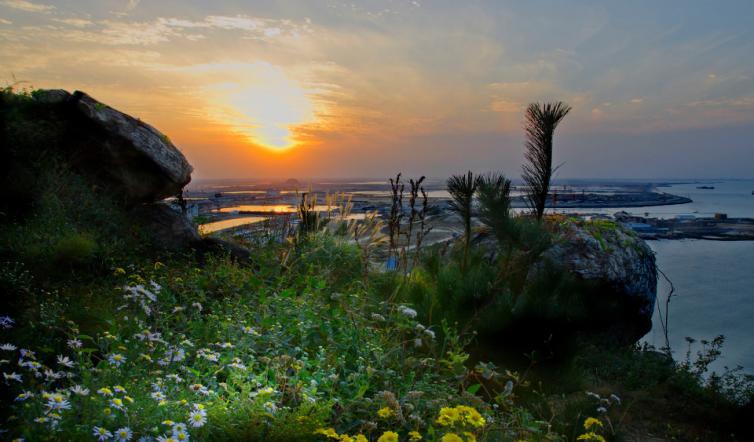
(255, 89)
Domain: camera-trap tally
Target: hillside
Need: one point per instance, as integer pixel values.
(121, 322)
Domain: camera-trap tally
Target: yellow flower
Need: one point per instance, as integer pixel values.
(451, 437)
(360, 438)
(591, 437)
(460, 415)
(471, 416)
(119, 271)
(388, 436)
(385, 412)
(590, 422)
(327, 432)
(414, 436)
(448, 416)
(107, 411)
(469, 436)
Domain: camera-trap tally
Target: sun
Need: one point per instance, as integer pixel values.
(266, 106)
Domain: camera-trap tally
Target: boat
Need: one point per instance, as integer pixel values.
(705, 187)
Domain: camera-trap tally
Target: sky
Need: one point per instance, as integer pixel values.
(309, 88)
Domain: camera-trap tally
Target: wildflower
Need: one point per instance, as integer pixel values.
(601, 410)
(270, 407)
(117, 403)
(179, 426)
(168, 422)
(79, 390)
(166, 438)
(12, 377)
(26, 353)
(6, 322)
(591, 436)
(469, 436)
(389, 436)
(615, 398)
(178, 308)
(593, 395)
(41, 419)
(58, 402)
(116, 359)
(119, 389)
(429, 333)
(104, 391)
(327, 432)
(197, 306)
(102, 434)
(198, 417)
(23, 396)
(414, 436)
(385, 412)
(65, 361)
(249, 330)
(591, 422)
(123, 434)
(411, 313)
(8, 347)
(451, 437)
(107, 411)
(180, 436)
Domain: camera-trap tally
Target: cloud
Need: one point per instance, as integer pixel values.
(27, 6)
(75, 22)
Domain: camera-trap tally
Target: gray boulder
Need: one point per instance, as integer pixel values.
(619, 264)
(135, 161)
(141, 161)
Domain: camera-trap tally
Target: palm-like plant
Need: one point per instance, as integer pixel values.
(494, 193)
(541, 121)
(462, 189)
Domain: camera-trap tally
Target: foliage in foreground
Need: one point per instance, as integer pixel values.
(221, 352)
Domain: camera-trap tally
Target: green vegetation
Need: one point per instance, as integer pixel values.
(541, 121)
(103, 337)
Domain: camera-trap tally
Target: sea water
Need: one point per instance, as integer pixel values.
(714, 280)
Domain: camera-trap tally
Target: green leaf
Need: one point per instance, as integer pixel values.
(473, 388)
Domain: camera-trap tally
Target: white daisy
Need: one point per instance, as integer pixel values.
(74, 343)
(8, 347)
(79, 390)
(65, 361)
(6, 322)
(198, 418)
(411, 313)
(102, 434)
(12, 377)
(116, 359)
(123, 434)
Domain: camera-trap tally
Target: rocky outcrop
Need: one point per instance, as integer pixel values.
(168, 229)
(134, 163)
(619, 268)
(134, 160)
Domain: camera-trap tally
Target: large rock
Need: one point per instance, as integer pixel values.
(168, 229)
(618, 266)
(133, 159)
